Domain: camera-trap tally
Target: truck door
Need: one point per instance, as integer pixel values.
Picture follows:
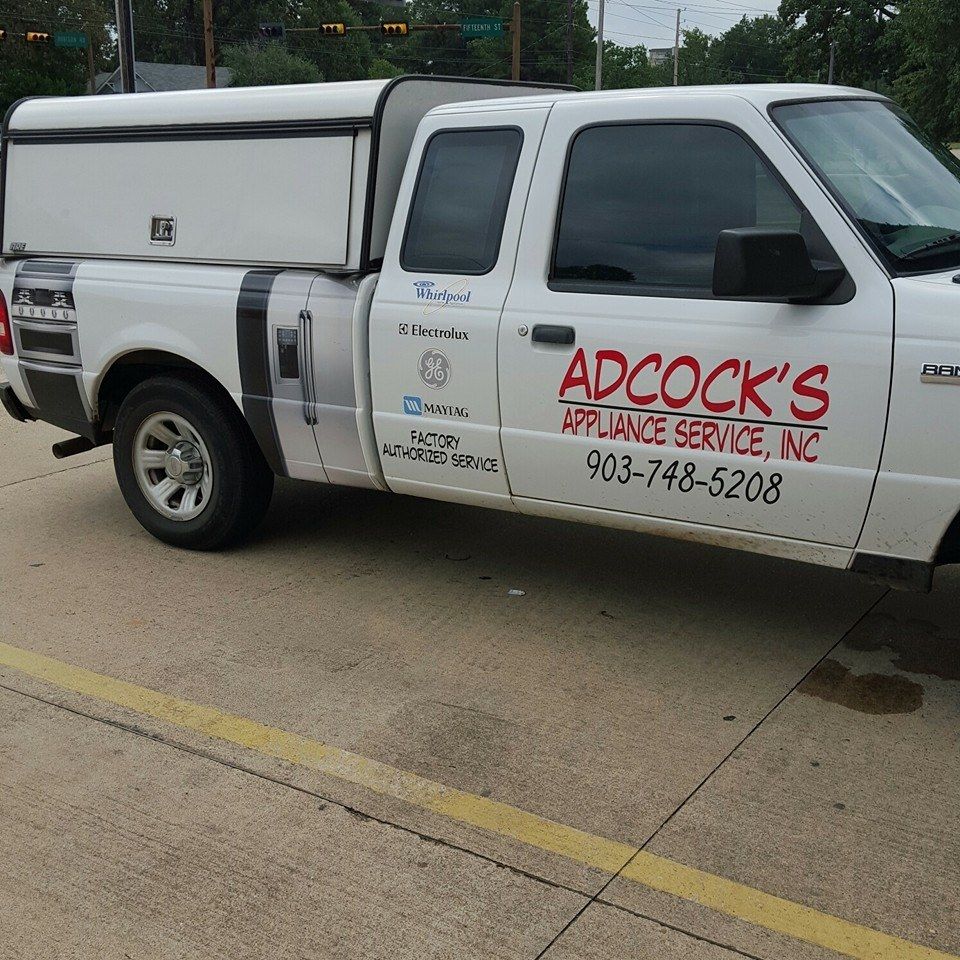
(626, 387)
(276, 369)
(433, 324)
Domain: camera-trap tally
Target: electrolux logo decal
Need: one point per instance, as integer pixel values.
(455, 294)
(413, 406)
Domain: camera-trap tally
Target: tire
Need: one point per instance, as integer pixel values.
(188, 466)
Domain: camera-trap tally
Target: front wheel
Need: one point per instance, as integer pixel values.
(187, 465)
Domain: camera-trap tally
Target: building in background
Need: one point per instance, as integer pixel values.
(154, 77)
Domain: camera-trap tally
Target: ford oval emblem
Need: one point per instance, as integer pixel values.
(424, 283)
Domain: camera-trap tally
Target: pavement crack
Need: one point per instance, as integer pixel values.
(677, 929)
(52, 473)
(776, 706)
(158, 738)
(596, 898)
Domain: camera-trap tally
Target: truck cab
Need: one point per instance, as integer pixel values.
(722, 314)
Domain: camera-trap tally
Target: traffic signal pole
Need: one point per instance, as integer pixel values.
(125, 46)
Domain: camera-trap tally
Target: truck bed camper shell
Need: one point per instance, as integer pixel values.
(295, 175)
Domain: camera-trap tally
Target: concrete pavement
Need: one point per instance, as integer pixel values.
(698, 703)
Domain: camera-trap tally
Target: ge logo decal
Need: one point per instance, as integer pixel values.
(434, 369)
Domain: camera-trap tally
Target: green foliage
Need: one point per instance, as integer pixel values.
(543, 37)
(623, 68)
(171, 31)
(268, 65)
(751, 51)
(925, 40)
(911, 49)
(695, 64)
(856, 27)
(338, 58)
(33, 69)
(381, 69)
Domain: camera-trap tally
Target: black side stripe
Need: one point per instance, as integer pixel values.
(253, 349)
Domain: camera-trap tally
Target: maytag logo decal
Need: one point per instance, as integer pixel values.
(437, 298)
(415, 407)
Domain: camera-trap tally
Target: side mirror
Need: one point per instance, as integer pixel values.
(754, 263)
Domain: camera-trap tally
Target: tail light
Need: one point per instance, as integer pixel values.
(6, 334)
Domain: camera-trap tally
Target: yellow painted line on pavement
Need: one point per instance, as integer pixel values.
(647, 869)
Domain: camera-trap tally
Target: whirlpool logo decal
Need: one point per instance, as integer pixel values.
(454, 294)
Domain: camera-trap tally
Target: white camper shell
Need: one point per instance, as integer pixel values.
(302, 175)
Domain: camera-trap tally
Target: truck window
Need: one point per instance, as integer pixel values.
(643, 205)
(460, 201)
(901, 187)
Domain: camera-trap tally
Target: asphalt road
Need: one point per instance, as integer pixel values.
(348, 739)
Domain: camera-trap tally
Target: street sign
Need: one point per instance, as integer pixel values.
(73, 40)
(471, 27)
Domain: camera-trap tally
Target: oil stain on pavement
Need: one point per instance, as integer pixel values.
(916, 647)
(877, 693)
(919, 645)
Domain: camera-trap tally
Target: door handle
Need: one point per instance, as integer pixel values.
(550, 333)
(306, 377)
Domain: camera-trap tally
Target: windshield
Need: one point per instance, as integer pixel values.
(902, 187)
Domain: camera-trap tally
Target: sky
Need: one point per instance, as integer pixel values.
(652, 22)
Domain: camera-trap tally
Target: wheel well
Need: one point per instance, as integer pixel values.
(133, 368)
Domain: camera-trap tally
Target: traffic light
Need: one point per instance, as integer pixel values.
(395, 29)
(333, 29)
(32, 36)
(271, 31)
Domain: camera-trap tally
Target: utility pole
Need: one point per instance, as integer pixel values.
(833, 47)
(208, 52)
(569, 41)
(676, 51)
(128, 77)
(91, 69)
(515, 30)
(598, 79)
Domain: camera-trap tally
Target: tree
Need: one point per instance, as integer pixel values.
(695, 65)
(171, 31)
(381, 69)
(751, 51)
(623, 68)
(542, 40)
(856, 27)
(927, 36)
(268, 65)
(39, 69)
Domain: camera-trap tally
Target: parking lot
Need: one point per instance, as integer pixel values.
(354, 738)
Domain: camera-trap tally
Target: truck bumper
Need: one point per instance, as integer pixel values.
(12, 404)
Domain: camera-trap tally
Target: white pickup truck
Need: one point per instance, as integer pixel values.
(728, 314)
